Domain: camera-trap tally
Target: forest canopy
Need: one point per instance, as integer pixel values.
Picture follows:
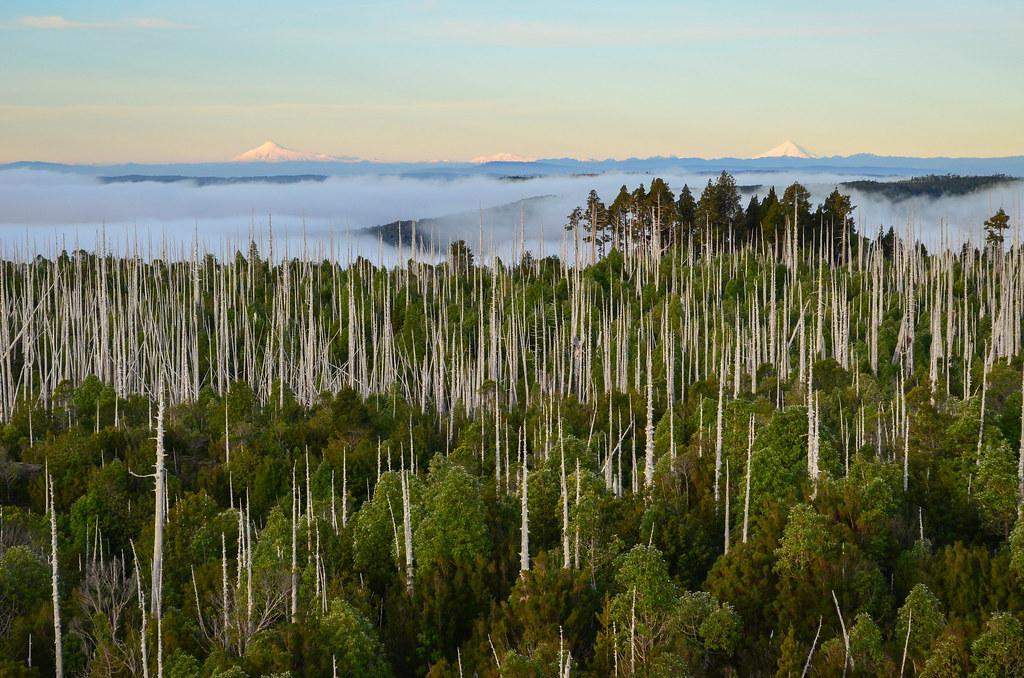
(723, 439)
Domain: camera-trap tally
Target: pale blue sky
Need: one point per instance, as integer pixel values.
(177, 80)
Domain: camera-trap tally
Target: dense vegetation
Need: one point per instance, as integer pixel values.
(717, 446)
(930, 186)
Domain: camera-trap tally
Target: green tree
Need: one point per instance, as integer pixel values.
(752, 219)
(595, 221)
(453, 526)
(460, 256)
(24, 599)
(999, 650)
(867, 648)
(922, 612)
(705, 629)
(686, 207)
(662, 204)
(342, 637)
(378, 547)
(837, 215)
(641, 613)
(947, 658)
(779, 464)
(807, 544)
(719, 205)
(997, 486)
(796, 203)
(1017, 547)
(996, 227)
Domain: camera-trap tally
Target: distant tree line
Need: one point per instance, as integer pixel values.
(654, 214)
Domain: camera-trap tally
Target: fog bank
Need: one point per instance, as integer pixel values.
(43, 211)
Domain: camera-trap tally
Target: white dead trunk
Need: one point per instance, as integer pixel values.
(649, 447)
(295, 565)
(160, 492)
(407, 533)
(524, 527)
(718, 432)
(58, 649)
(746, 490)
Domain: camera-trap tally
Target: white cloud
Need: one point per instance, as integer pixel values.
(56, 22)
(514, 33)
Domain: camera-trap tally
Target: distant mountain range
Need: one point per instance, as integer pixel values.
(861, 164)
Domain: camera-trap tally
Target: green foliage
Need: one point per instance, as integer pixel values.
(867, 647)
(24, 580)
(806, 544)
(779, 462)
(997, 486)
(346, 637)
(931, 185)
(1017, 548)
(182, 665)
(922, 613)
(454, 519)
(545, 363)
(378, 545)
(996, 226)
(947, 658)
(999, 650)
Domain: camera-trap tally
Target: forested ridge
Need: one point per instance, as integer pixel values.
(704, 440)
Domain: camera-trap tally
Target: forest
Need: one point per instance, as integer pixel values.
(706, 439)
(930, 186)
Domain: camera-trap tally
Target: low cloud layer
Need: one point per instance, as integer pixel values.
(56, 22)
(46, 210)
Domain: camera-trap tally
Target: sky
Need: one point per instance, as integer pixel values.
(101, 81)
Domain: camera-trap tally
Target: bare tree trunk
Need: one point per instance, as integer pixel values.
(906, 641)
(746, 491)
(58, 650)
(1020, 457)
(524, 527)
(142, 610)
(158, 533)
(295, 567)
(718, 431)
(810, 655)
(649, 447)
(407, 533)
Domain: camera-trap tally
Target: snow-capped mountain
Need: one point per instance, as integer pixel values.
(272, 152)
(787, 149)
(500, 157)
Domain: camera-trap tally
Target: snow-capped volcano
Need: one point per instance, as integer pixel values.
(272, 152)
(787, 149)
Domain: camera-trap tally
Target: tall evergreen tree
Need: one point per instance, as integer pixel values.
(686, 207)
(796, 204)
(719, 205)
